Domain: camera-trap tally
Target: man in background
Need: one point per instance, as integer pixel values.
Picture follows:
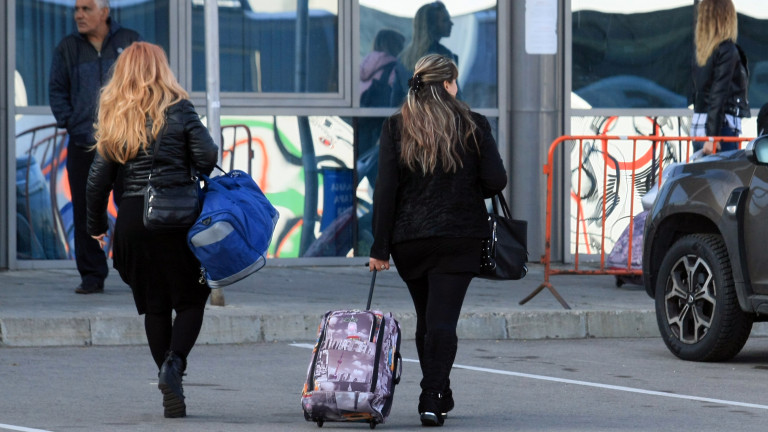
(81, 65)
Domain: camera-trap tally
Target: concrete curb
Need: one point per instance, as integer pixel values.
(233, 327)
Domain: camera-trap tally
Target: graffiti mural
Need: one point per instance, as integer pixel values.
(608, 178)
(299, 162)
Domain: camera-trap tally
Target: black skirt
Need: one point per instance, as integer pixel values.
(417, 258)
(158, 266)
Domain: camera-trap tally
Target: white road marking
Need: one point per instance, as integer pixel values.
(590, 384)
(20, 428)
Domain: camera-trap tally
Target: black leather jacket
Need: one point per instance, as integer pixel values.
(184, 139)
(408, 205)
(721, 86)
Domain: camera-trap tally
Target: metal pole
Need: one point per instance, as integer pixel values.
(6, 141)
(305, 135)
(534, 124)
(212, 70)
(213, 101)
(300, 48)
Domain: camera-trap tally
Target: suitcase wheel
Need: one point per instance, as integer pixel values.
(372, 424)
(319, 422)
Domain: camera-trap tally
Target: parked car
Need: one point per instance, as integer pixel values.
(704, 257)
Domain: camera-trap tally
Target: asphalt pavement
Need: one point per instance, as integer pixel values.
(284, 302)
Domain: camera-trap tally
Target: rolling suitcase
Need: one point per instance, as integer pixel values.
(355, 366)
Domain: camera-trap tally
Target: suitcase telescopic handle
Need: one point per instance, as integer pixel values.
(370, 290)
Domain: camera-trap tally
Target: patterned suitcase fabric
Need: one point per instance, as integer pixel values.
(354, 369)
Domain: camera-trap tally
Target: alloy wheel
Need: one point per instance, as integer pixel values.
(690, 303)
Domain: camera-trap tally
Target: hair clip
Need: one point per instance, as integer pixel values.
(415, 83)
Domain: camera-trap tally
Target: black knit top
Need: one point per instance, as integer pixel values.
(408, 205)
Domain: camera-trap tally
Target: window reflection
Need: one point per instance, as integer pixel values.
(41, 24)
(379, 73)
(44, 227)
(639, 54)
(465, 31)
(632, 58)
(258, 41)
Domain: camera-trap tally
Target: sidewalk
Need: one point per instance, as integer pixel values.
(284, 303)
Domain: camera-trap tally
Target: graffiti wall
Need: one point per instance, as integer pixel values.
(609, 178)
(304, 165)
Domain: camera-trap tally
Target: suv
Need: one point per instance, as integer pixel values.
(704, 253)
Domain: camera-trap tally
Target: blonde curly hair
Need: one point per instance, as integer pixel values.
(142, 87)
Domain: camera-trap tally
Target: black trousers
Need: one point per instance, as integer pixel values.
(438, 298)
(90, 258)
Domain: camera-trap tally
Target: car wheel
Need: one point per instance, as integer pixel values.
(696, 306)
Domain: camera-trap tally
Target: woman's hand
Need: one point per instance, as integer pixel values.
(709, 147)
(377, 264)
(101, 239)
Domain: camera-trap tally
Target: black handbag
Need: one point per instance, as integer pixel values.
(506, 252)
(170, 203)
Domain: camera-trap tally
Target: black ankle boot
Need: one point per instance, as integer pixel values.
(169, 382)
(430, 409)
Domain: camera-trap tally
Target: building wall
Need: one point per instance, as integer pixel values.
(291, 114)
(293, 118)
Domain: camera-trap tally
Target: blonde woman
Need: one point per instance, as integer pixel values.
(720, 75)
(142, 100)
(437, 162)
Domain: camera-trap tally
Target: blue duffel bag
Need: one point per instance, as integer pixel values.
(233, 232)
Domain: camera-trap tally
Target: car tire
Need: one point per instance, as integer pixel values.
(697, 309)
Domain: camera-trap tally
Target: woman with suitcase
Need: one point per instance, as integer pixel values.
(437, 162)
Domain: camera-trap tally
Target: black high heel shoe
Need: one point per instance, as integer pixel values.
(430, 409)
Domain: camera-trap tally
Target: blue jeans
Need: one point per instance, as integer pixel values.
(726, 131)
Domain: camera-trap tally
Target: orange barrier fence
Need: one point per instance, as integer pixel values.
(606, 202)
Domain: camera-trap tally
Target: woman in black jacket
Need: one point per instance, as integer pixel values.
(720, 75)
(437, 163)
(142, 99)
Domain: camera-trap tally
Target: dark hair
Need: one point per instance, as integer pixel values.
(435, 124)
(424, 23)
(389, 41)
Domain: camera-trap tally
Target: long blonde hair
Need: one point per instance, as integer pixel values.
(142, 87)
(716, 22)
(424, 29)
(435, 124)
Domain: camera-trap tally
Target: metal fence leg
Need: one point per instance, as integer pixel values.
(551, 289)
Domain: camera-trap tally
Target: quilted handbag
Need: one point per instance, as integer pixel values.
(506, 252)
(170, 203)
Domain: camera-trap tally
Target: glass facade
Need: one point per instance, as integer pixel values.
(640, 55)
(268, 46)
(630, 62)
(284, 67)
(470, 38)
(34, 48)
(300, 163)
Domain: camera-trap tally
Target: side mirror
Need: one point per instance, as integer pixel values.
(757, 150)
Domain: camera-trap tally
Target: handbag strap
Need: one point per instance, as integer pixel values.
(156, 148)
(497, 201)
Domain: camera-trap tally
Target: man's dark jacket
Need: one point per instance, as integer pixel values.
(78, 73)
